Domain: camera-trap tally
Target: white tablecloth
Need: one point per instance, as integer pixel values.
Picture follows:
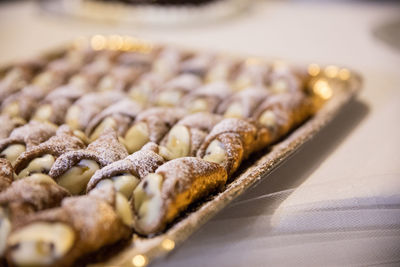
(337, 201)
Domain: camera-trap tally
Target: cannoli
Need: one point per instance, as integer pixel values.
(6, 174)
(18, 77)
(8, 124)
(82, 111)
(185, 138)
(60, 236)
(206, 98)
(117, 116)
(54, 107)
(172, 92)
(167, 63)
(280, 113)
(25, 197)
(197, 65)
(223, 69)
(40, 158)
(252, 73)
(125, 174)
(243, 103)
(143, 90)
(150, 126)
(24, 138)
(73, 169)
(283, 79)
(119, 78)
(161, 196)
(230, 141)
(132, 59)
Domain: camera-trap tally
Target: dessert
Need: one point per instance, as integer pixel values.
(145, 137)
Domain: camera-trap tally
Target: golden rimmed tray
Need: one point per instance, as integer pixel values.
(334, 87)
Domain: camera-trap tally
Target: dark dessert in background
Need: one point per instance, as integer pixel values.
(163, 2)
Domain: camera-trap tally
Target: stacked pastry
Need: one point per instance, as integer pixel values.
(97, 145)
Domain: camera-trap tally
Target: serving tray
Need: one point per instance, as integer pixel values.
(333, 87)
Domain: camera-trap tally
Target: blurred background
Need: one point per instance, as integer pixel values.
(355, 158)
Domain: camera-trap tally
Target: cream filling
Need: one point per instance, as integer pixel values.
(78, 80)
(106, 123)
(13, 76)
(81, 135)
(43, 113)
(107, 83)
(122, 206)
(43, 79)
(76, 178)
(40, 243)
(72, 117)
(279, 86)
(198, 105)
(12, 152)
(215, 152)
(148, 201)
(41, 178)
(243, 82)
(169, 98)
(235, 110)
(125, 184)
(123, 209)
(136, 137)
(5, 228)
(178, 143)
(42, 164)
(268, 119)
(12, 109)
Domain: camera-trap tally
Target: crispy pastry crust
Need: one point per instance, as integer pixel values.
(93, 219)
(185, 180)
(105, 150)
(124, 112)
(6, 174)
(140, 164)
(8, 125)
(30, 135)
(62, 142)
(27, 196)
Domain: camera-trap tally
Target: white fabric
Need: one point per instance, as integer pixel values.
(334, 203)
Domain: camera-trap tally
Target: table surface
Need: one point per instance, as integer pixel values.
(336, 202)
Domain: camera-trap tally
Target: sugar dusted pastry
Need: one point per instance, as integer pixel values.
(25, 197)
(223, 69)
(230, 141)
(118, 116)
(8, 124)
(73, 169)
(162, 196)
(207, 98)
(60, 236)
(198, 64)
(150, 126)
(185, 138)
(243, 103)
(142, 91)
(18, 77)
(280, 113)
(6, 174)
(125, 174)
(173, 91)
(167, 63)
(40, 158)
(119, 78)
(284, 79)
(56, 104)
(83, 111)
(252, 73)
(24, 138)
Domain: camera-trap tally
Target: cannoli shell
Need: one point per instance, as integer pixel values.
(8, 124)
(30, 134)
(104, 150)
(186, 180)
(124, 112)
(62, 142)
(139, 164)
(6, 174)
